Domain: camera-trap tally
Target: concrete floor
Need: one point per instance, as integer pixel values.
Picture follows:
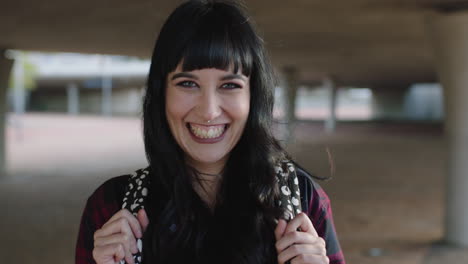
(387, 189)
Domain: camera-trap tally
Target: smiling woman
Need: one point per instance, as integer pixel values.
(219, 187)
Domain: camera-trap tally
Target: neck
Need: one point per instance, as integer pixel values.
(209, 176)
(207, 168)
(207, 190)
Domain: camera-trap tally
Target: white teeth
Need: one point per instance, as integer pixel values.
(207, 132)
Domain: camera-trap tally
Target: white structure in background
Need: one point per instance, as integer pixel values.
(418, 102)
(425, 102)
(113, 85)
(93, 84)
(106, 85)
(314, 103)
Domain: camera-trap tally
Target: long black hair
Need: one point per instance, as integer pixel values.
(211, 34)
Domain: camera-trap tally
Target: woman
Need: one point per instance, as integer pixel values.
(210, 193)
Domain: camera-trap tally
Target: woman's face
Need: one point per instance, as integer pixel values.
(207, 110)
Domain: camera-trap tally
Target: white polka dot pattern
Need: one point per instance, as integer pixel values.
(137, 190)
(289, 189)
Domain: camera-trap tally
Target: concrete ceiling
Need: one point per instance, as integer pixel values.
(372, 43)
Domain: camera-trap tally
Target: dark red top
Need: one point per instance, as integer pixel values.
(107, 200)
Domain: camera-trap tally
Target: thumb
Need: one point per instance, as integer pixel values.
(143, 219)
(280, 228)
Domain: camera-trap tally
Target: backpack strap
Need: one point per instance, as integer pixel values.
(135, 193)
(290, 194)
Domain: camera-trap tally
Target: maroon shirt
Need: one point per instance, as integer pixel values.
(107, 200)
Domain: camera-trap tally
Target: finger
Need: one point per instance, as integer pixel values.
(316, 259)
(129, 242)
(297, 238)
(109, 253)
(300, 250)
(116, 227)
(131, 219)
(143, 219)
(280, 228)
(129, 257)
(301, 221)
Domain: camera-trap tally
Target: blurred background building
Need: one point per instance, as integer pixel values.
(73, 83)
(78, 83)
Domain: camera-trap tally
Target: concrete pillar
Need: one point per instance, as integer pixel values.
(388, 104)
(6, 66)
(19, 94)
(106, 83)
(107, 96)
(73, 96)
(449, 34)
(425, 102)
(291, 83)
(330, 122)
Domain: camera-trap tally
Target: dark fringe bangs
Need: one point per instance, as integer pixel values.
(217, 43)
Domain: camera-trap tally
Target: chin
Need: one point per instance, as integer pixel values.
(206, 158)
(209, 159)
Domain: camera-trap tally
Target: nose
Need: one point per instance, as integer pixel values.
(209, 107)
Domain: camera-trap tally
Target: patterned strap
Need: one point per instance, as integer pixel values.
(290, 195)
(138, 186)
(137, 190)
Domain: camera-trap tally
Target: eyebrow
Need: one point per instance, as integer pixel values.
(233, 76)
(184, 75)
(192, 76)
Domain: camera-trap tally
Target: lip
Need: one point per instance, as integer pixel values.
(207, 140)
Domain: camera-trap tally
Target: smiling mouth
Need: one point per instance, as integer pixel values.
(207, 132)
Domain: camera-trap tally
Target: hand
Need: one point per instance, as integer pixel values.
(303, 246)
(116, 240)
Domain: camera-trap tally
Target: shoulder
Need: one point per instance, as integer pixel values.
(110, 190)
(109, 197)
(318, 207)
(314, 197)
(106, 200)
(101, 205)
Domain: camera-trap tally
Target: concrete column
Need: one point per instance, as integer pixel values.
(291, 83)
(19, 94)
(449, 34)
(388, 104)
(73, 96)
(330, 122)
(106, 83)
(290, 90)
(6, 66)
(107, 96)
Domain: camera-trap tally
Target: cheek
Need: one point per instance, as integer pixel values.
(239, 108)
(177, 108)
(244, 110)
(245, 107)
(173, 112)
